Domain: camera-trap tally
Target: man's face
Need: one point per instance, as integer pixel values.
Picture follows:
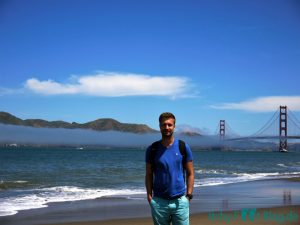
(167, 127)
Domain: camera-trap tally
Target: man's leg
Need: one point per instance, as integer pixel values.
(160, 211)
(181, 211)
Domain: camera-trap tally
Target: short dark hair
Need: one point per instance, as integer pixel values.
(166, 115)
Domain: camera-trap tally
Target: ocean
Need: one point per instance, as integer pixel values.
(34, 177)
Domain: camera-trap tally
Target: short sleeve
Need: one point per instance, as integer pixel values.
(147, 155)
(189, 155)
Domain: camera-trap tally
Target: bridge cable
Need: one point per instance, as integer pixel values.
(267, 125)
(217, 130)
(293, 118)
(232, 131)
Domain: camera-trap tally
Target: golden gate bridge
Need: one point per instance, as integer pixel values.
(275, 128)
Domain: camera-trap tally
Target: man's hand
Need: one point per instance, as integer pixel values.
(149, 197)
(149, 181)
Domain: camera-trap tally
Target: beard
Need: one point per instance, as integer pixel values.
(167, 134)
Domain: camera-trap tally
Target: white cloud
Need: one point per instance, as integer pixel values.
(113, 85)
(263, 104)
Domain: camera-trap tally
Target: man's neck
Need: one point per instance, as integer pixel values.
(167, 141)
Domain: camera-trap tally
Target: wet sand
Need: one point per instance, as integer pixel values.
(279, 197)
(288, 215)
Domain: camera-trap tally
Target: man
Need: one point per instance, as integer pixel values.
(166, 171)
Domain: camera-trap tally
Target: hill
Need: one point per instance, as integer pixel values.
(106, 124)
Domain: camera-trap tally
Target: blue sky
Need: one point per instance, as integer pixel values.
(131, 60)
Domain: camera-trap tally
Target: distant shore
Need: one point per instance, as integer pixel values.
(278, 196)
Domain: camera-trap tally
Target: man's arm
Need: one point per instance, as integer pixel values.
(149, 181)
(189, 167)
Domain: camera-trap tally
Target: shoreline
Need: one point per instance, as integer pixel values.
(261, 194)
(287, 215)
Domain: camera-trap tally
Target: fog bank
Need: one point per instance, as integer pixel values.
(59, 136)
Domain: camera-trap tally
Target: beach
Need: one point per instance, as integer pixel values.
(270, 201)
(288, 215)
(40, 186)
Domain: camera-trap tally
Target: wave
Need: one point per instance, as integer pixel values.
(282, 165)
(4, 185)
(210, 171)
(40, 198)
(243, 177)
(291, 166)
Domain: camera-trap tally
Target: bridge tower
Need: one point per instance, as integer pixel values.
(283, 129)
(222, 129)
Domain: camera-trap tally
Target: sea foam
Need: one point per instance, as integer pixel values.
(40, 198)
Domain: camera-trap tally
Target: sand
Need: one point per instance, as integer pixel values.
(287, 215)
(274, 201)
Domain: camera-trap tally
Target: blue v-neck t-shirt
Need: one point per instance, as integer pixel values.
(168, 171)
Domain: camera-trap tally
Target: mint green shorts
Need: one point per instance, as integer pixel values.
(165, 211)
